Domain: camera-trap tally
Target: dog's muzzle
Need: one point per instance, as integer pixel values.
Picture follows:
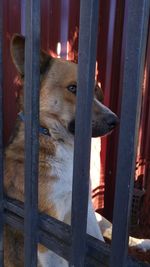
(101, 126)
(104, 125)
(103, 119)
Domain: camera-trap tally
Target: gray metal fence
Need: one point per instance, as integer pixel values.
(72, 242)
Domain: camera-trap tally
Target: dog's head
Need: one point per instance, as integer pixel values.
(58, 95)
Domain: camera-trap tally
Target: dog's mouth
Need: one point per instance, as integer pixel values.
(71, 126)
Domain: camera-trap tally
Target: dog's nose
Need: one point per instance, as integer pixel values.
(112, 121)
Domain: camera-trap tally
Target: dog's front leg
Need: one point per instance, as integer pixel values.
(92, 225)
(48, 258)
(106, 229)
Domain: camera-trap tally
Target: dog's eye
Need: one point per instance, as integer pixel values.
(72, 88)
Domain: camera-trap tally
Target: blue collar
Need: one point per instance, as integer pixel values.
(42, 130)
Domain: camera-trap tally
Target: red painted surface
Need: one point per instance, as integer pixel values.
(112, 96)
(115, 102)
(143, 155)
(50, 24)
(110, 46)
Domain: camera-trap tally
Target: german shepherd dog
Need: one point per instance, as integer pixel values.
(57, 114)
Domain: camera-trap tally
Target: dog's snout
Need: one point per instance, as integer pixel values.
(112, 121)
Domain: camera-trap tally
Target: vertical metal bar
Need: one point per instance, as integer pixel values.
(87, 59)
(1, 136)
(134, 55)
(32, 82)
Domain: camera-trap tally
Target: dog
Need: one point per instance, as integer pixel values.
(58, 87)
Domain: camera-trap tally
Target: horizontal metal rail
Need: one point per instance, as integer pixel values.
(56, 236)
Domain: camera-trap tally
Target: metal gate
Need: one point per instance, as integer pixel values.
(72, 242)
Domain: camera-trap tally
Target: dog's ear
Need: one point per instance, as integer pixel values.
(17, 49)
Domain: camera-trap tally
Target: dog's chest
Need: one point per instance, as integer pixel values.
(62, 169)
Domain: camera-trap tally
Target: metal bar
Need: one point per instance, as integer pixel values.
(89, 11)
(1, 136)
(134, 55)
(56, 236)
(32, 82)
